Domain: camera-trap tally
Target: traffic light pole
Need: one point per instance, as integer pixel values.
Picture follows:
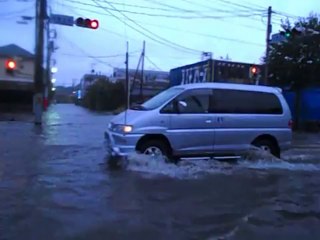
(269, 30)
(38, 68)
(48, 67)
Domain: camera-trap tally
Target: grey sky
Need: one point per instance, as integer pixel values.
(242, 38)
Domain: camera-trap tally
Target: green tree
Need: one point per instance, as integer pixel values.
(104, 95)
(295, 62)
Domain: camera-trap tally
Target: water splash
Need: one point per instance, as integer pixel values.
(255, 159)
(262, 160)
(184, 169)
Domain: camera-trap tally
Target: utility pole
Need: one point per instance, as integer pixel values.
(135, 74)
(142, 70)
(41, 15)
(269, 30)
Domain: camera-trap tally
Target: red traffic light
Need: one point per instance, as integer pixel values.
(94, 24)
(254, 70)
(11, 64)
(87, 23)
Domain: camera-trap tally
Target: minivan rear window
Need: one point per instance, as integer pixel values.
(245, 102)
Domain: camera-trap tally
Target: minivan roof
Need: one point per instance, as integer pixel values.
(234, 86)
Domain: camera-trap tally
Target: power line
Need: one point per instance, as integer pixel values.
(172, 28)
(85, 53)
(167, 15)
(216, 9)
(150, 8)
(14, 13)
(207, 35)
(286, 15)
(254, 4)
(155, 65)
(155, 37)
(105, 14)
(240, 5)
(95, 57)
(73, 9)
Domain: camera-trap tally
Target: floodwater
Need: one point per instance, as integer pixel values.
(55, 184)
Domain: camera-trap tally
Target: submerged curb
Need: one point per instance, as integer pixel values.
(311, 146)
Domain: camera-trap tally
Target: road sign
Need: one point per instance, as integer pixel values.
(62, 19)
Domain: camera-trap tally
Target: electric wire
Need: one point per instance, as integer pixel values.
(170, 28)
(165, 15)
(153, 36)
(152, 63)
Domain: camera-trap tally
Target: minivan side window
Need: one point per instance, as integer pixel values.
(245, 102)
(192, 101)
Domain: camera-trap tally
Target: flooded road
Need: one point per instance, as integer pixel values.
(55, 184)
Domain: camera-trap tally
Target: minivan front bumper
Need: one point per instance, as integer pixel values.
(121, 145)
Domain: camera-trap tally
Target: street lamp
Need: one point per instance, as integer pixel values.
(54, 69)
(53, 80)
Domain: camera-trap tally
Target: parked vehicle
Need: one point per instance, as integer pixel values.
(204, 119)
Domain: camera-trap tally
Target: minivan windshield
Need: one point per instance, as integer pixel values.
(161, 98)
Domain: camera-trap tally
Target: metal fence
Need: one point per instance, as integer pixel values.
(310, 104)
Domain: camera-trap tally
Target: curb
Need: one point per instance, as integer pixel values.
(311, 146)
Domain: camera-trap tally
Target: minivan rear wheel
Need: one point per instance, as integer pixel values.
(155, 148)
(268, 146)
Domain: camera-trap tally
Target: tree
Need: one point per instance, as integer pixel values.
(294, 63)
(104, 95)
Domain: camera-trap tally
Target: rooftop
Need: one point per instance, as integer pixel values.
(13, 50)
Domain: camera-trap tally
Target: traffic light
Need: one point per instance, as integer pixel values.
(87, 23)
(253, 71)
(11, 66)
(289, 34)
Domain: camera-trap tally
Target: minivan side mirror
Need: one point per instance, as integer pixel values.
(171, 107)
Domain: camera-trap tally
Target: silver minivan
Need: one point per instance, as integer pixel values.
(204, 120)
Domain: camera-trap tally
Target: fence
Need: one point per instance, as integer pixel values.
(310, 104)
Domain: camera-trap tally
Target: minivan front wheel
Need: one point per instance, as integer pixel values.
(155, 149)
(268, 146)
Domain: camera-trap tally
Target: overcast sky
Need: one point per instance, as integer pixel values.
(176, 32)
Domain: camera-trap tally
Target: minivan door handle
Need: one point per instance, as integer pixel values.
(208, 121)
(219, 119)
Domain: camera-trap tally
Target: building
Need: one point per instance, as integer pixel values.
(16, 86)
(216, 71)
(277, 38)
(24, 64)
(119, 74)
(17, 78)
(153, 82)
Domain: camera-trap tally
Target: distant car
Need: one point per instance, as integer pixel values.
(204, 119)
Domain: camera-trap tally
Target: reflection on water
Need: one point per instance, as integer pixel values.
(55, 184)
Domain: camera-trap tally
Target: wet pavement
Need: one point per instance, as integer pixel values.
(55, 184)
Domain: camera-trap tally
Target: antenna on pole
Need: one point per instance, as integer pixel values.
(142, 71)
(127, 84)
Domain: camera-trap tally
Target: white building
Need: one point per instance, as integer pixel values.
(119, 74)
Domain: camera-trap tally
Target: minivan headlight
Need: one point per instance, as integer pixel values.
(122, 128)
